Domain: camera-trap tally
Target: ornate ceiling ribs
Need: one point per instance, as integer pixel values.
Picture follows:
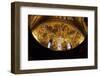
(76, 21)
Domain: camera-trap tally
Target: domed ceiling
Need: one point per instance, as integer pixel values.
(58, 33)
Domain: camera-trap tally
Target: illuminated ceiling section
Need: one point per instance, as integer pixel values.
(58, 33)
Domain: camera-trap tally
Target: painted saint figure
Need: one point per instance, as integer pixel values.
(69, 46)
(59, 43)
(50, 43)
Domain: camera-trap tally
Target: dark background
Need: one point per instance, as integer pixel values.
(38, 52)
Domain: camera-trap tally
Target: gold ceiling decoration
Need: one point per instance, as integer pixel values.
(58, 33)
